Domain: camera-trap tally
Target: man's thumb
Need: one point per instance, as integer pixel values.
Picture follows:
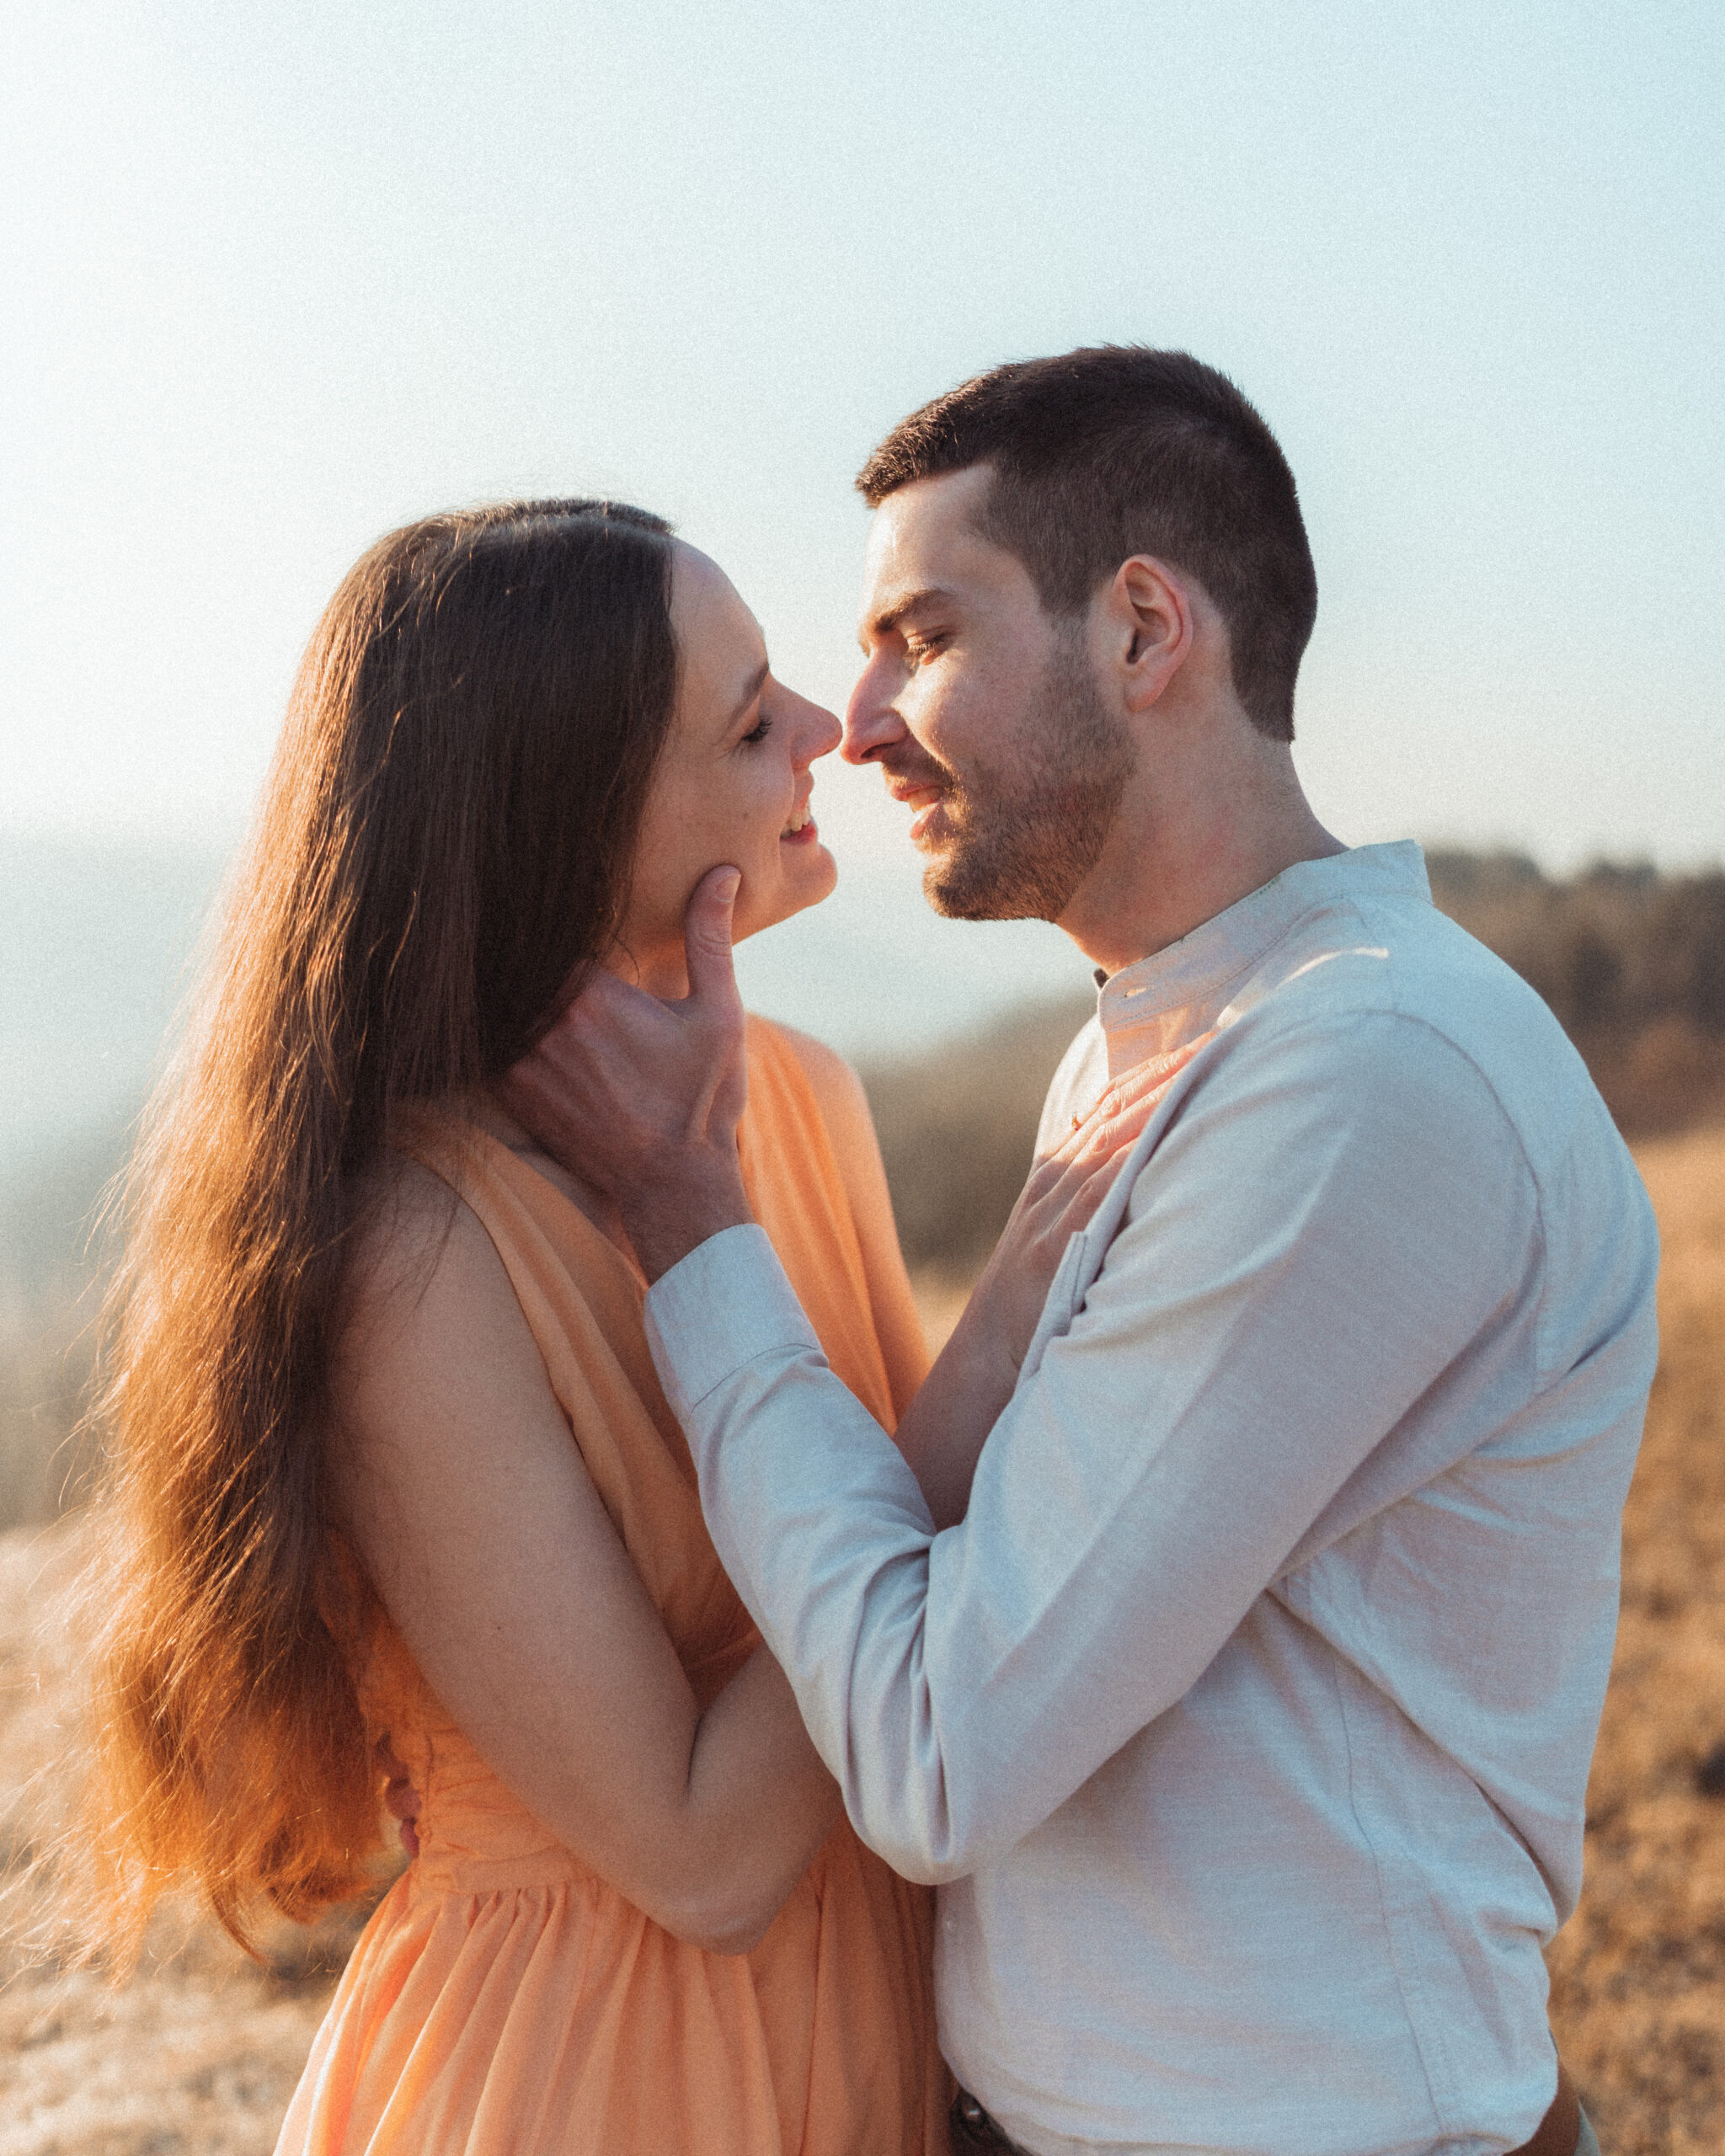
(706, 934)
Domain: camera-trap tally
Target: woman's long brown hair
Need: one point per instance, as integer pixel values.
(443, 849)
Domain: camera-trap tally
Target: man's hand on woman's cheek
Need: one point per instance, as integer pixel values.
(641, 1099)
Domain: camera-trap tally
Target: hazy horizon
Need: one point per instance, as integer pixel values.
(98, 939)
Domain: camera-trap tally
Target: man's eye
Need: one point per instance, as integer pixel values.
(921, 649)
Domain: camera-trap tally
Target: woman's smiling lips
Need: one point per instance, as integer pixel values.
(801, 829)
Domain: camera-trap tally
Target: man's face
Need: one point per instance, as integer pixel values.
(982, 710)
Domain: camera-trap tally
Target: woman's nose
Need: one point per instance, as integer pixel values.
(820, 735)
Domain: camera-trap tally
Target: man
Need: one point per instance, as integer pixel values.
(1244, 1715)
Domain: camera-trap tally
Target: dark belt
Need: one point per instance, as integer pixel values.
(973, 2128)
(1558, 2133)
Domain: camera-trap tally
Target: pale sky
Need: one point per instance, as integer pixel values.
(278, 278)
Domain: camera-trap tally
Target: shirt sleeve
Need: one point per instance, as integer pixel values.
(1333, 1216)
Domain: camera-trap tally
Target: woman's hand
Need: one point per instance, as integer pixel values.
(944, 1429)
(1059, 1199)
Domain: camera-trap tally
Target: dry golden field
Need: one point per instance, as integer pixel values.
(1638, 1974)
(196, 2057)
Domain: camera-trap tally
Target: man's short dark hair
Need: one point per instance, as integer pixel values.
(1118, 449)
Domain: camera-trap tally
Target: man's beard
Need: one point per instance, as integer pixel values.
(1026, 833)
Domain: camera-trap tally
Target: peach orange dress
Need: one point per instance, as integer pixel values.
(504, 2000)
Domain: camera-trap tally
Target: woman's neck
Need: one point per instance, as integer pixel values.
(664, 974)
(480, 1106)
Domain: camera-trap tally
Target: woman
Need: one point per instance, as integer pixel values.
(350, 1542)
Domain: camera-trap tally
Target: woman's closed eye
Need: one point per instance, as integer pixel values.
(759, 732)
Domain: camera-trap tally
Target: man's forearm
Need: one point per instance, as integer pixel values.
(818, 1521)
(1148, 1482)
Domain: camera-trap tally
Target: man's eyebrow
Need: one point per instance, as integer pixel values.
(748, 694)
(888, 619)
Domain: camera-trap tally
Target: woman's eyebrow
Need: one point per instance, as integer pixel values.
(748, 694)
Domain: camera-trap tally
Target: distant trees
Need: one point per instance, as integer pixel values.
(1632, 963)
(1612, 949)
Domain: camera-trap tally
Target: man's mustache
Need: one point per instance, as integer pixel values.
(918, 769)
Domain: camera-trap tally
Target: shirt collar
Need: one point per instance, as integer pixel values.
(1225, 946)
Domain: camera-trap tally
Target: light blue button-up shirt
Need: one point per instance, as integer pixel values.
(1245, 1720)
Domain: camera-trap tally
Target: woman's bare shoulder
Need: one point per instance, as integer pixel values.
(420, 1264)
(403, 1216)
(837, 1089)
(844, 1108)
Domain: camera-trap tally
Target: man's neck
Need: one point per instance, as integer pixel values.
(1175, 861)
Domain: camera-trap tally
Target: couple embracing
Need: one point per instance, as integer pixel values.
(1219, 1629)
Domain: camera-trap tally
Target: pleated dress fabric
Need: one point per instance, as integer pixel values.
(504, 2000)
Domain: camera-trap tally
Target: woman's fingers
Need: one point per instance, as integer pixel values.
(1112, 1128)
(1062, 1195)
(1128, 1102)
(1096, 1180)
(1066, 1186)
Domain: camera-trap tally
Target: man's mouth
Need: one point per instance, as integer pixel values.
(926, 800)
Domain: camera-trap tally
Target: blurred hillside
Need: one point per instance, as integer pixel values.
(52, 1257)
(94, 940)
(1632, 962)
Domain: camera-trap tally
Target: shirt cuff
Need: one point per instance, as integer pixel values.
(722, 1307)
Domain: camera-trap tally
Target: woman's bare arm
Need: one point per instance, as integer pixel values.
(497, 1560)
(844, 1109)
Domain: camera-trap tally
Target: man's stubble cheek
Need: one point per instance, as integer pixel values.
(1025, 836)
(997, 866)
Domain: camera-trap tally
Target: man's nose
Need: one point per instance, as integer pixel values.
(871, 723)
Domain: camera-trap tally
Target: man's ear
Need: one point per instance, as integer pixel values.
(1147, 621)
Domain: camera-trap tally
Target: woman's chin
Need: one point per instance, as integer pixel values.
(804, 884)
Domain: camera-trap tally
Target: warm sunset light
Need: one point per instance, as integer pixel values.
(447, 1530)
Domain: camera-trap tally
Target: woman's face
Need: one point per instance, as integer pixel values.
(732, 783)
